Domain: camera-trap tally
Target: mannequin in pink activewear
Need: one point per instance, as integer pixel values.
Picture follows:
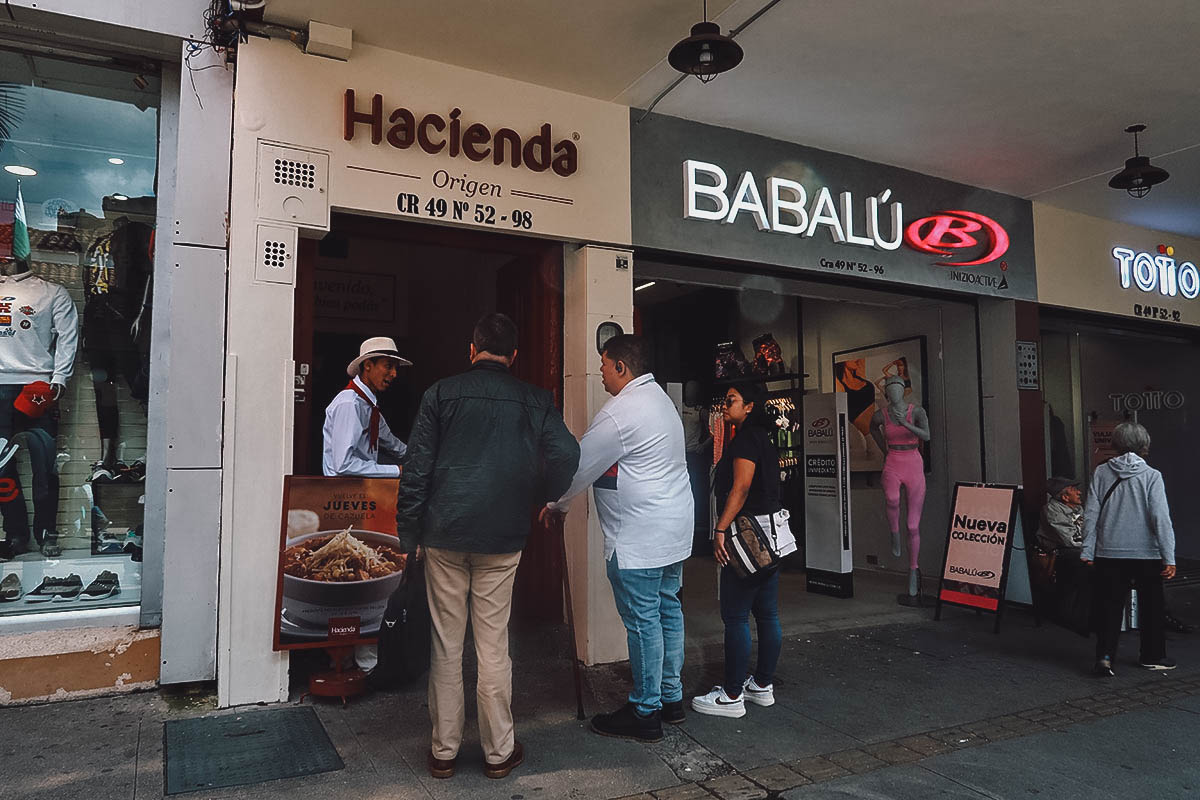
(899, 429)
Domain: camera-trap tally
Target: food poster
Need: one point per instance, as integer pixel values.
(980, 536)
(339, 560)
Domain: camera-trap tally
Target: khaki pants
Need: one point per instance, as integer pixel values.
(487, 580)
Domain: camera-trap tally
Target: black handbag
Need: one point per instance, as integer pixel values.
(751, 550)
(405, 632)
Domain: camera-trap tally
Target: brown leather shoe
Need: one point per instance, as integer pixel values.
(506, 766)
(440, 768)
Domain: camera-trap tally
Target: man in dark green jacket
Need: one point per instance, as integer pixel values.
(485, 451)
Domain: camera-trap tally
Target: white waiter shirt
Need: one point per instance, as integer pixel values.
(39, 330)
(347, 438)
(632, 455)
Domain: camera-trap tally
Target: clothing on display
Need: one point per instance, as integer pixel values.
(904, 468)
(40, 331)
(768, 356)
(729, 362)
(116, 324)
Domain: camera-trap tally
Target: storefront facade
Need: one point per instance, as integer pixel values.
(102, 226)
(1119, 328)
(843, 262)
(410, 172)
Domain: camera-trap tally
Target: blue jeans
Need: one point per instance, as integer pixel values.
(739, 597)
(648, 602)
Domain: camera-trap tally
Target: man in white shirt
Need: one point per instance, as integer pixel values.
(355, 431)
(633, 457)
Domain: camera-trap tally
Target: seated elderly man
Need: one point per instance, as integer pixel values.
(1061, 528)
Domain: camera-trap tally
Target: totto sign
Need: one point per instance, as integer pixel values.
(1157, 273)
(787, 209)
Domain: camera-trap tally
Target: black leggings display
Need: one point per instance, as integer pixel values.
(112, 354)
(36, 437)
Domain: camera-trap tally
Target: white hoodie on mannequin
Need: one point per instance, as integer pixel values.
(39, 331)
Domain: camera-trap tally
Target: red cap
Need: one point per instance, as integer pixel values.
(35, 399)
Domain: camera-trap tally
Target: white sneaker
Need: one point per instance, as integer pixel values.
(719, 704)
(759, 695)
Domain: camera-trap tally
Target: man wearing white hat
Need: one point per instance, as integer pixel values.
(355, 432)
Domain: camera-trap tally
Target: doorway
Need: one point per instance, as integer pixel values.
(426, 286)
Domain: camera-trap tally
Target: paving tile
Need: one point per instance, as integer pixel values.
(892, 753)
(776, 777)
(856, 761)
(818, 768)
(642, 796)
(735, 787)
(924, 744)
(685, 791)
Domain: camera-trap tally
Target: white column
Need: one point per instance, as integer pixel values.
(598, 287)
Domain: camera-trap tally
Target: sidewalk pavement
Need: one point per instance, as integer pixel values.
(915, 709)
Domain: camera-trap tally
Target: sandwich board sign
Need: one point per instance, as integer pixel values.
(983, 521)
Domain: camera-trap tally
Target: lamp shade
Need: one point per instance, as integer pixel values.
(706, 53)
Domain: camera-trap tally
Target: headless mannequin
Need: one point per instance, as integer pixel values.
(9, 269)
(899, 429)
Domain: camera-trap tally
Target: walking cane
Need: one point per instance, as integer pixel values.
(566, 573)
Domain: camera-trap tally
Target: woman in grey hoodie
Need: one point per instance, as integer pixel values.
(1127, 533)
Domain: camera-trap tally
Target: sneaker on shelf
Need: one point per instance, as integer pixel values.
(759, 695)
(1159, 664)
(53, 588)
(105, 585)
(101, 473)
(10, 588)
(1103, 668)
(7, 451)
(719, 704)
(110, 547)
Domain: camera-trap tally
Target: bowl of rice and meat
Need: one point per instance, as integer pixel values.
(349, 573)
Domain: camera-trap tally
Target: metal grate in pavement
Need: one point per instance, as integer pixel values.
(239, 749)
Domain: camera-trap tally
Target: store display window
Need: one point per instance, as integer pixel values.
(78, 168)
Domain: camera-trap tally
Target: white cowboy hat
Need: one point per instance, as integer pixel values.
(376, 347)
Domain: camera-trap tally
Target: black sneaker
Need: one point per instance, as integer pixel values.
(1159, 664)
(673, 712)
(1103, 668)
(627, 723)
(105, 585)
(10, 588)
(57, 589)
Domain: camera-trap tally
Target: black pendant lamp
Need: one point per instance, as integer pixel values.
(1139, 176)
(706, 53)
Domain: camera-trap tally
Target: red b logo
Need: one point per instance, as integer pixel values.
(942, 234)
(823, 422)
(8, 490)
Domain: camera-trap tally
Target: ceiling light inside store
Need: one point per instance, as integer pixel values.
(16, 169)
(119, 197)
(644, 286)
(117, 161)
(1139, 176)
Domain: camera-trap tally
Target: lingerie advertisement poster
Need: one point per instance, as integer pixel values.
(860, 374)
(339, 560)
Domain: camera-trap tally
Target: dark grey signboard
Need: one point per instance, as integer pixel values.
(704, 190)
